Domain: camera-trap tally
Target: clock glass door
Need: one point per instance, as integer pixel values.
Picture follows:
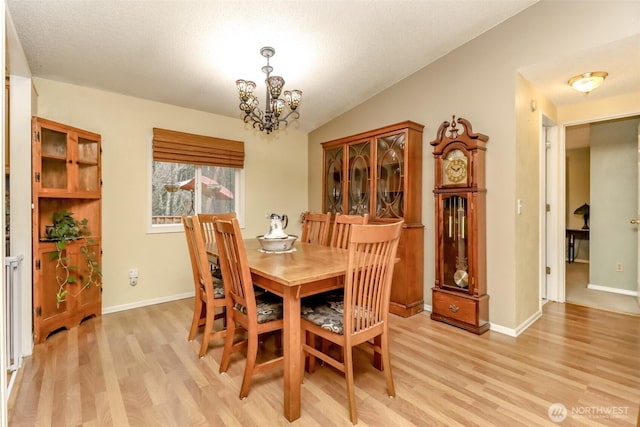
(455, 242)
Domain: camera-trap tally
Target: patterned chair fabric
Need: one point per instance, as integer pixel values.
(328, 315)
(218, 288)
(268, 307)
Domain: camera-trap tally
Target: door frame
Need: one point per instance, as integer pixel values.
(559, 218)
(549, 218)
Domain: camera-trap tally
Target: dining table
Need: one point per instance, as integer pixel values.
(305, 270)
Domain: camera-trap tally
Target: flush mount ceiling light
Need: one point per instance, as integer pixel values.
(270, 119)
(588, 81)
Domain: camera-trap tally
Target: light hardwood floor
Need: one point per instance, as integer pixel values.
(137, 368)
(577, 292)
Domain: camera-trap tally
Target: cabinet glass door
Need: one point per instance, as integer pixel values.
(333, 180)
(88, 171)
(455, 235)
(55, 154)
(359, 188)
(390, 170)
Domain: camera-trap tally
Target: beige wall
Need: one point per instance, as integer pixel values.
(577, 185)
(275, 181)
(480, 82)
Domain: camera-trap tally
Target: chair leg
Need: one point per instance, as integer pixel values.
(252, 354)
(311, 341)
(228, 342)
(197, 312)
(348, 373)
(208, 327)
(386, 363)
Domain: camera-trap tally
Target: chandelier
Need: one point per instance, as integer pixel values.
(270, 119)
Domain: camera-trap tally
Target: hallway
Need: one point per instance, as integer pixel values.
(577, 278)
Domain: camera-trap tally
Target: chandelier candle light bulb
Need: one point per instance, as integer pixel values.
(270, 119)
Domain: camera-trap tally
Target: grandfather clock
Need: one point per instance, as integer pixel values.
(460, 293)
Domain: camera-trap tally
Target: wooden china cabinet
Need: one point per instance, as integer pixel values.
(379, 172)
(66, 176)
(460, 292)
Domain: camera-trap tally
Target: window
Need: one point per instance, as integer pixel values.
(193, 174)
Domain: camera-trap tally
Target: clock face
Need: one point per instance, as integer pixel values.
(455, 168)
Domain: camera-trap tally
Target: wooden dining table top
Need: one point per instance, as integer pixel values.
(305, 264)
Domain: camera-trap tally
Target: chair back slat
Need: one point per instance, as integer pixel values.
(342, 229)
(315, 228)
(206, 222)
(235, 268)
(372, 256)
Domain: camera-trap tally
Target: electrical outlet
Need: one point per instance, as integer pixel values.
(619, 267)
(133, 276)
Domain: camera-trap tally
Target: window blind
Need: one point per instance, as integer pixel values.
(180, 147)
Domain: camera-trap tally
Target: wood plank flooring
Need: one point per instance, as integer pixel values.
(136, 368)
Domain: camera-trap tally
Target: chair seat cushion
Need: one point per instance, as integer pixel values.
(218, 288)
(325, 310)
(269, 307)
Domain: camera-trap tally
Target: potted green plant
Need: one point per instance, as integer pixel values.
(66, 228)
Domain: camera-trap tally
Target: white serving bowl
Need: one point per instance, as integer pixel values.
(277, 245)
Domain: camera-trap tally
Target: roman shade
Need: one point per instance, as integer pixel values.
(180, 147)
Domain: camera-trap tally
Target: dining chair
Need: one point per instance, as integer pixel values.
(362, 315)
(339, 239)
(315, 228)
(256, 314)
(342, 229)
(209, 290)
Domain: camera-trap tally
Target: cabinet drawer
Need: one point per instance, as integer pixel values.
(456, 307)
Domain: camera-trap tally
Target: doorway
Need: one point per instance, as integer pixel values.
(601, 198)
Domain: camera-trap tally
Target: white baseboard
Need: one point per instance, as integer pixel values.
(138, 304)
(613, 290)
(505, 330)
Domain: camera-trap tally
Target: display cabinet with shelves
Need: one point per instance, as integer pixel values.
(66, 176)
(379, 173)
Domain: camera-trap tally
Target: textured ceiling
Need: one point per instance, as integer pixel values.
(189, 53)
(339, 53)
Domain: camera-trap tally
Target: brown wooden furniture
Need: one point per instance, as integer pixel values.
(379, 173)
(206, 223)
(66, 176)
(309, 270)
(341, 231)
(315, 228)
(371, 261)
(209, 291)
(256, 315)
(572, 235)
(460, 292)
